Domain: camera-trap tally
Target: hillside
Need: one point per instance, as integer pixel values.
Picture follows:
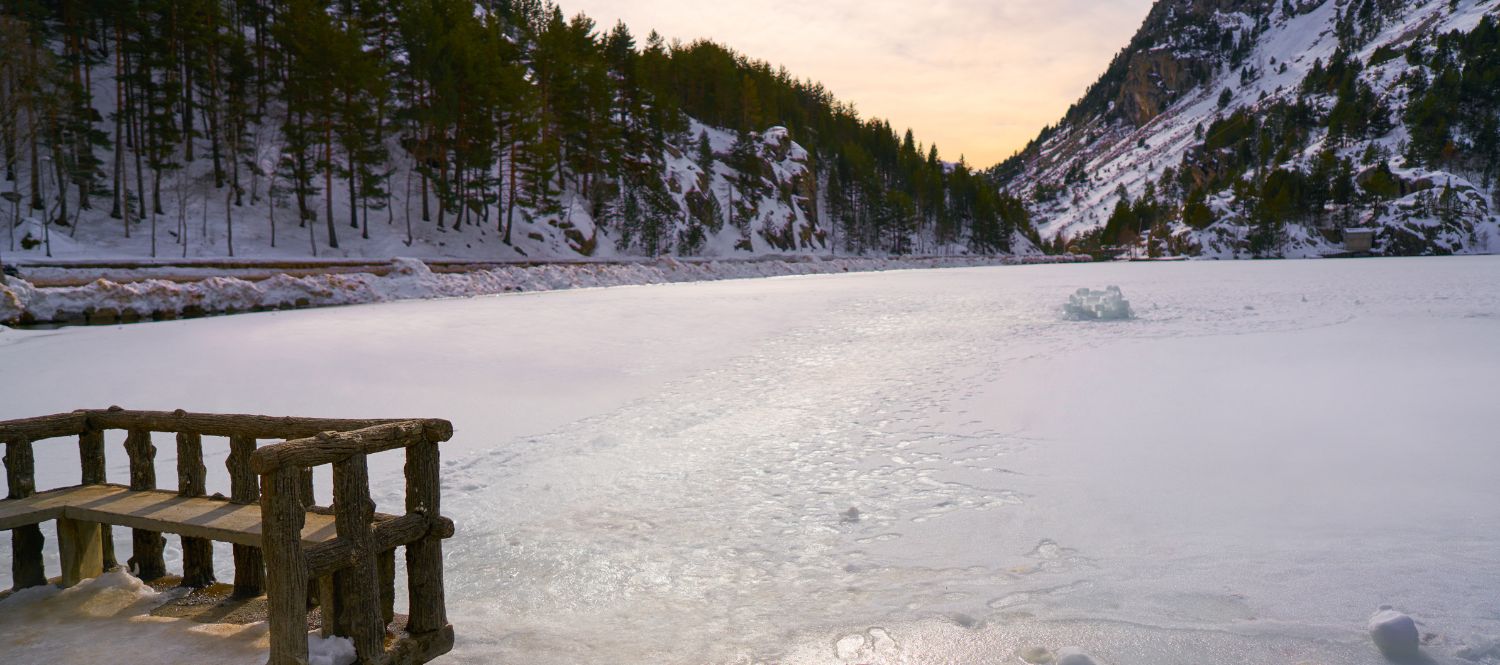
(1234, 128)
(494, 130)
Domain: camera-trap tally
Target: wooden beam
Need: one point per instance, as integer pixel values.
(146, 547)
(244, 488)
(286, 567)
(44, 427)
(81, 548)
(325, 558)
(230, 425)
(330, 447)
(26, 540)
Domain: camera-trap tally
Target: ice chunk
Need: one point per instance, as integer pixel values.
(1073, 655)
(1394, 633)
(1109, 304)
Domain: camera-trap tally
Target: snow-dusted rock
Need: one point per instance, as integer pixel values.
(15, 295)
(1394, 633)
(1107, 305)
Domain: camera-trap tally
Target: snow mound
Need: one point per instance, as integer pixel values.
(1394, 633)
(330, 650)
(1107, 305)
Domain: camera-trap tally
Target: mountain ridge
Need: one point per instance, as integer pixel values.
(1137, 163)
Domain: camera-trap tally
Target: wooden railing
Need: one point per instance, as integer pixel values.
(352, 573)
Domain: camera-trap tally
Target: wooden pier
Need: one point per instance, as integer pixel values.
(340, 559)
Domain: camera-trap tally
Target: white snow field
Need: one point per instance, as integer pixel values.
(908, 467)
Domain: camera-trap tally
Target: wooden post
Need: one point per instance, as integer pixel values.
(282, 519)
(146, 559)
(81, 548)
(386, 563)
(358, 586)
(424, 558)
(328, 605)
(244, 487)
(197, 553)
(308, 500)
(25, 541)
(91, 458)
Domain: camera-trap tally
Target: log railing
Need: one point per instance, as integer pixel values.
(350, 576)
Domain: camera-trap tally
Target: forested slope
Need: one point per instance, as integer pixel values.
(496, 129)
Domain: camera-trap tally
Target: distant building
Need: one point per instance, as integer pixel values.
(1359, 241)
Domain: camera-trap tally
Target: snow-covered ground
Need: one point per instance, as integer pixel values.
(150, 289)
(905, 467)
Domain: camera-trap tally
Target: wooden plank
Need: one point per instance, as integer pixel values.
(157, 510)
(211, 424)
(146, 546)
(244, 489)
(81, 548)
(26, 539)
(286, 567)
(44, 427)
(91, 458)
(192, 475)
(359, 585)
(330, 447)
(424, 558)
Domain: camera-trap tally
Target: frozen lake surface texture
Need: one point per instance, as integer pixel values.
(910, 467)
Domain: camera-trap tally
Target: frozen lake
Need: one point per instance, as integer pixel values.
(909, 467)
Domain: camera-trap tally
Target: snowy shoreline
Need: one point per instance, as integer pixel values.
(105, 301)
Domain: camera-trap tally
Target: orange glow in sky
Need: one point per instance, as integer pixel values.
(979, 78)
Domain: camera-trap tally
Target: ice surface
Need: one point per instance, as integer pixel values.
(665, 474)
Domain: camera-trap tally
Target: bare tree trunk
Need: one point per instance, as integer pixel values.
(115, 211)
(510, 199)
(406, 203)
(426, 216)
(228, 218)
(333, 238)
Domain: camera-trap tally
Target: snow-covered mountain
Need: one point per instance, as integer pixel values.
(1268, 127)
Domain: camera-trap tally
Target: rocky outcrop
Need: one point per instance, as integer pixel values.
(1153, 80)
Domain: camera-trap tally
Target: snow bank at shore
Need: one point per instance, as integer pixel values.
(108, 619)
(107, 301)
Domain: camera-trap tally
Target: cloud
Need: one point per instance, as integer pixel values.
(977, 77)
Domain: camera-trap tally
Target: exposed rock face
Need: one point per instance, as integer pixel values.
(1153, 80)
(1175, 51)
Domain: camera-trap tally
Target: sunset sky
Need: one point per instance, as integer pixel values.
(978, 77)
